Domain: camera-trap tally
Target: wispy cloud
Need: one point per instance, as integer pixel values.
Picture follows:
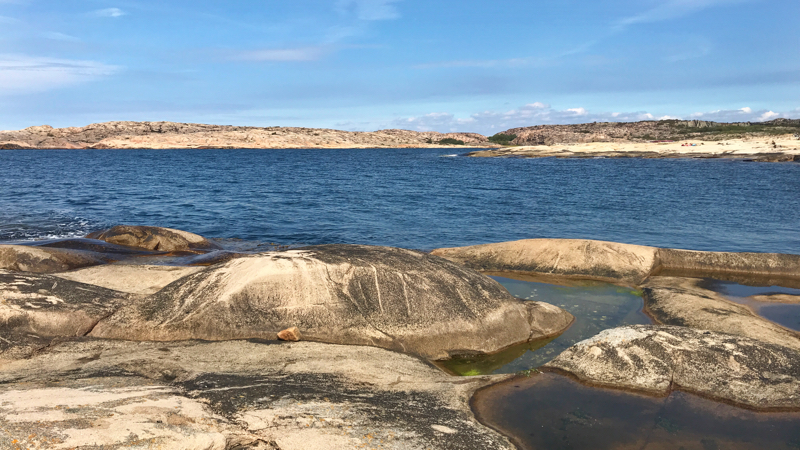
(5, 19)
(280, 54)
(21, 74)
(56, 36)
(491, 122)
(481, 63)
(369, 9)
(670, 9)
(109, 12)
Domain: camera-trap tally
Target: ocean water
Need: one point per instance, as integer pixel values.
(411, 198)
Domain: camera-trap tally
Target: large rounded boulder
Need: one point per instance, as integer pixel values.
(347, 294)
(154, 238)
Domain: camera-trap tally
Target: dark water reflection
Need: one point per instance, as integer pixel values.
(786, 314)
(596, 306)
(552, 412)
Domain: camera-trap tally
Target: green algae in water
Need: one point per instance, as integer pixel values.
(596, 306)
(550, 411)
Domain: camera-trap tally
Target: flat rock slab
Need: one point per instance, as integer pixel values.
(348, 294)
(236, 393)
(681, 301)
(615, 262)
(134, 279)
(658, 359)
(609, 261)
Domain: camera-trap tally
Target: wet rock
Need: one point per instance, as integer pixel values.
(348, 294)
(681, 301)
(107, 249)
(696, 262)
(24, 258)
(154, 238)
(289, 334)
(35, 309)
(600, 260)
(657, 359)
(238, 394)
(134, 279)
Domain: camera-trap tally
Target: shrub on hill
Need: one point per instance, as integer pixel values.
(502, 139)
(451, 141)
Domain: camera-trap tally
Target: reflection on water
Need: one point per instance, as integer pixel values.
(596, 306)
(786, 314)
(552, 412)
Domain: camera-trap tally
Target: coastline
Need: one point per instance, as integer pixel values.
(778, 149)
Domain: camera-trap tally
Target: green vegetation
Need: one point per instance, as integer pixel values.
(502, 139)
(451, 141)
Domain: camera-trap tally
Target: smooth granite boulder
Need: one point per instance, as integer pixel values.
(348, 294)
(25, 258)
(154, 238)
(658, 359)
(36, 308)
(681, 301)
(607, 261)
(697, 263)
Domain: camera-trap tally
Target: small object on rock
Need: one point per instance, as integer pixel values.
(289, 334)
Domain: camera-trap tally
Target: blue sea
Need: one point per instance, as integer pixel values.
(413, 198)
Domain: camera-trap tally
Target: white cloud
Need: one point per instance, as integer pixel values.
(745, 114)
(280, 54)
(491, 122)
(369, 9)
(109, 12)
(5, 19)
(21, 74)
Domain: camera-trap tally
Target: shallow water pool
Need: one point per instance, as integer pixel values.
(553, 412)
(596, 306)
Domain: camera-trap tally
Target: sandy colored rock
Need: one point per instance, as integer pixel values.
(680, 301)
(608, 261)
(154, 238)
(348, 294)
(134, 279)
(25, 258)
(657, 359)
(160, 135)
(289, 334)
(301, 395)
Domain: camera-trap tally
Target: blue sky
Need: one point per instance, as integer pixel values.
(464, 65)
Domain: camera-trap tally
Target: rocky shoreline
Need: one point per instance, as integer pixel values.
(775, 140)
(99, 351)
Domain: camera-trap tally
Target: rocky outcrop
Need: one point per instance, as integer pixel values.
(348, 294)
(609, 261)
(24, 258)
(154, 238)
(187, 135)
(681, 301)
(658, 359)
(35, 309)
(235, 395)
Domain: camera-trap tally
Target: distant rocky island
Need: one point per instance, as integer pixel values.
(165, 135)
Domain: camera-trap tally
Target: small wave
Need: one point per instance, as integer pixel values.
(448, 156)
(53, 225)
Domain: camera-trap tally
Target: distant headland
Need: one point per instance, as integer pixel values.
(774, 140)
